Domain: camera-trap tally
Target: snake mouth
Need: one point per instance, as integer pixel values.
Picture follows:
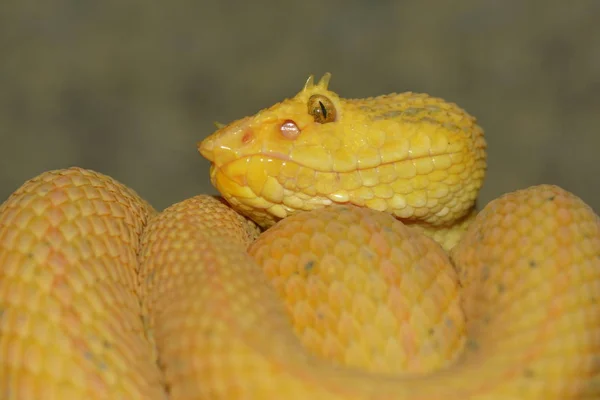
(284, 158)
(262, 184)
(275, 176)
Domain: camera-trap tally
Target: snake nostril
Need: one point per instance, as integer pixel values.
(247, 137)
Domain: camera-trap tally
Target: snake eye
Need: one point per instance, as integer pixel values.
(321, 108)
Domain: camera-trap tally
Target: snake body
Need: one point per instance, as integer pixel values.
(344, 260)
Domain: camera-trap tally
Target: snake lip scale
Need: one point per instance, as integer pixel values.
(343, 259)
(267, 157)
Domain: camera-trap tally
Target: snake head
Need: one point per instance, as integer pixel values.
(407, 154)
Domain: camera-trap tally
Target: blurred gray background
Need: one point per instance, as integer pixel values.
(128, 87)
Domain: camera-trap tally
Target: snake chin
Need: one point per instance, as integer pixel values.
(262, 206)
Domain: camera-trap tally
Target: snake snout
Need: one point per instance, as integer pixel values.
(225, 144)
(206, 148)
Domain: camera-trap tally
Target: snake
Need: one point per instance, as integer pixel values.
(345, 256)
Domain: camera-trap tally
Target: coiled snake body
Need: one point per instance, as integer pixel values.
(375, 279)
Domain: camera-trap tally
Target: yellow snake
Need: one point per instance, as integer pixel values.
(376, 277)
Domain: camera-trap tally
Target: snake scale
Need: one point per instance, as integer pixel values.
(345, 258)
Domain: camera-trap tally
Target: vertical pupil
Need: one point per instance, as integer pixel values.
(323, 109)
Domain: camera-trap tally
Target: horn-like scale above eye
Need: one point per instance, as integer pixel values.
(322, 109)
